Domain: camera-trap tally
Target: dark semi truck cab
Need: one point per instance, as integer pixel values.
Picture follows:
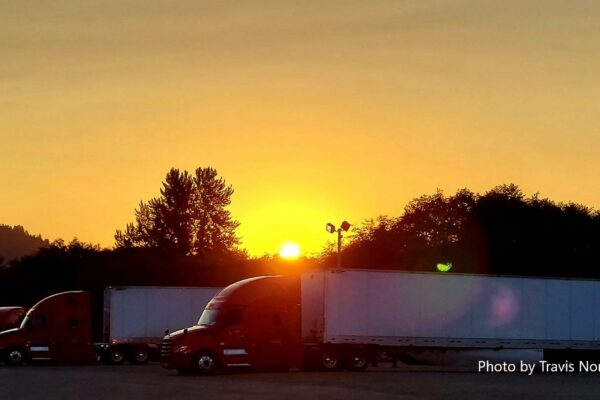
(58, 328)
(251, 323)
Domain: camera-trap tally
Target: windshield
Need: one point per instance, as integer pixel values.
(208, 317)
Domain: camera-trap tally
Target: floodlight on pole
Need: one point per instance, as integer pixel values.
(330, 228)
(345, 225)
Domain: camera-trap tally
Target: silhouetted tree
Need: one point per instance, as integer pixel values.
(213, 228)
(190, 217)
(499, 232)
(437, 219)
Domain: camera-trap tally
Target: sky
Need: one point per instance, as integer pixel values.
(314, 112)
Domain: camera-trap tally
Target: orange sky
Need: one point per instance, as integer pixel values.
(313, 112)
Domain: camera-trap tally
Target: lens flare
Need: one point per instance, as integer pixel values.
(444, 267)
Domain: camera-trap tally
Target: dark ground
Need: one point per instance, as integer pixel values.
(151, 382)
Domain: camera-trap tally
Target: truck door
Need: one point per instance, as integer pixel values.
(71, 331)
(38, 335)
(275, 338)
(235, 349)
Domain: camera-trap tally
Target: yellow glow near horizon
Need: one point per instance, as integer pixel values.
(314, 113)
(289, 251)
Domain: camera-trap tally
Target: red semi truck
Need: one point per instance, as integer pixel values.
(57, 328)
(254, 322)
(61, 327)
(345, 318)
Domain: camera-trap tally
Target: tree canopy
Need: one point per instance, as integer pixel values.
(499, 232)
(189, 218)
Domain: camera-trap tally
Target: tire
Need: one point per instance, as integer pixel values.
(14, 357)
(330, 360)
(357, 360)
(206, 363)
(140, 355)
(116, 355)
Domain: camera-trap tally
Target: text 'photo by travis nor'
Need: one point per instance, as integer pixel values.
(538, 367)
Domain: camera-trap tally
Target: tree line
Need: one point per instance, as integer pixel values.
(499, 232)
(187, 237)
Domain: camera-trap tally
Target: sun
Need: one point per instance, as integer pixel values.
(289, 251)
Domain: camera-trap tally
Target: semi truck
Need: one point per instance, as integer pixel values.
(339, 318)
(63, 327)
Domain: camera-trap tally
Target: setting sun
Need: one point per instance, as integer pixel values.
(289, 251)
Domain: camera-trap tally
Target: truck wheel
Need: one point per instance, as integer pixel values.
(14, 357)
(357, 360)
(140, 355)
(330, 361)
(116, 355)
(206, 363)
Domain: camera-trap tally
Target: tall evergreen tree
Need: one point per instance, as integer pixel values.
(214, 230)
(189, 217)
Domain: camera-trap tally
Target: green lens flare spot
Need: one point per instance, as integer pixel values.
(444, 267)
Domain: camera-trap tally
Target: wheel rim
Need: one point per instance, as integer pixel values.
(358, 361)
(116, 356)
(329, 360)
(206, 363)
(141, 356)
(15, 357)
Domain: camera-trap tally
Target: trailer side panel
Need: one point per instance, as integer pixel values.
(452, 310)
(141, 314)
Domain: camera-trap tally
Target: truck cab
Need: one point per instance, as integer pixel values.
(57, 328)
(251, 323)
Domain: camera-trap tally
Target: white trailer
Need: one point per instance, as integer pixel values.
(384, 309)
(136, 318)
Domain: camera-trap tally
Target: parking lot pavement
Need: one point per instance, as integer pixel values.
(151, 382)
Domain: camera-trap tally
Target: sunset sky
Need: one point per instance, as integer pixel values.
(314, 112)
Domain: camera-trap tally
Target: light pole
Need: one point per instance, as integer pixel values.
(331, 229)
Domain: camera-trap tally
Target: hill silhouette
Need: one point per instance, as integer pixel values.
(16, 242)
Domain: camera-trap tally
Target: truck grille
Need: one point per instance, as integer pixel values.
(165, 348)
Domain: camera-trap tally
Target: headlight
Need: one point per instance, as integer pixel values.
(180, 349)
